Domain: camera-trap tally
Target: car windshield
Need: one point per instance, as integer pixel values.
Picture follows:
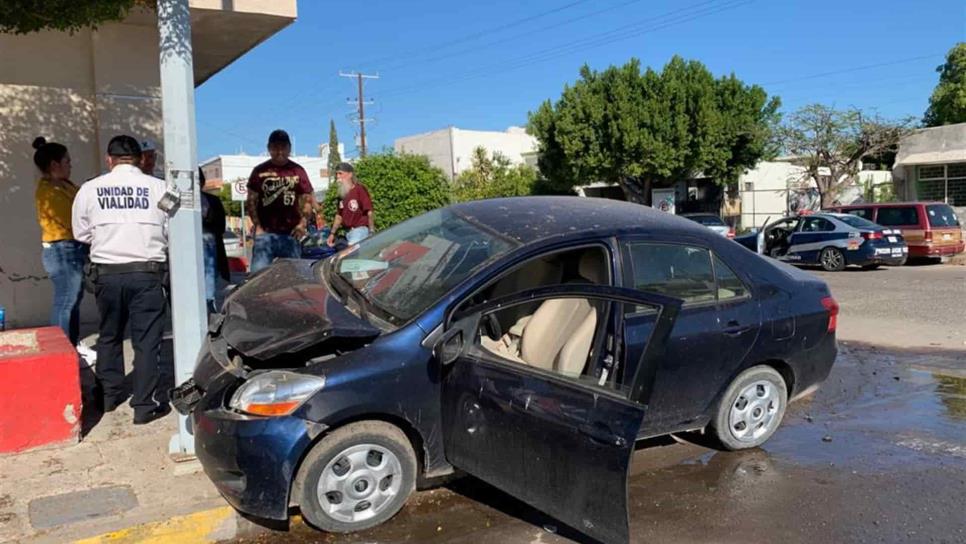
(403, 270)
(708, 220)
(941, 215)
(856, 221)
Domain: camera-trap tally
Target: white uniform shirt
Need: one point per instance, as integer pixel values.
(118, 215)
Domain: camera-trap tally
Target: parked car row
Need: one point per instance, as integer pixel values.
(866, 235)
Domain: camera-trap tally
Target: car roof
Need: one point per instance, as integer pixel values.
(888, 204)
(532, 218)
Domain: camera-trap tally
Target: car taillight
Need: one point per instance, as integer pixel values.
(872, 235)
(731, 233)
(832, 308)
(928, 236)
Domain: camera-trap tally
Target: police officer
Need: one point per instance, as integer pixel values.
(117, 214)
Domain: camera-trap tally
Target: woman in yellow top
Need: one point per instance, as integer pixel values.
(64, 258)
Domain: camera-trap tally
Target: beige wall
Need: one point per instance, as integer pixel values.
(78, 90)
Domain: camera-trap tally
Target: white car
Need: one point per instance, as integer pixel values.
(713, 222)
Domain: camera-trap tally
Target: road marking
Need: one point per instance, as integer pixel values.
(197, 528)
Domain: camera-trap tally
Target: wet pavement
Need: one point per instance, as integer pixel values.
(877, 455)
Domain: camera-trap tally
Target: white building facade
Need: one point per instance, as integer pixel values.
(451, 148)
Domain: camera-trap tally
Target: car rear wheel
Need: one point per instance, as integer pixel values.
(832, 259)
(357, 477)
(751, 409)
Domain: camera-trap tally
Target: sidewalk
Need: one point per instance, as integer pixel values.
(119, 477)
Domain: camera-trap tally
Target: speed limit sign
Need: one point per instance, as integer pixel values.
(239, 190)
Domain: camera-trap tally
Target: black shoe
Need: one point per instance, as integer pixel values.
(157, 413)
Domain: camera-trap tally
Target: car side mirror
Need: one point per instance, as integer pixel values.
(449, 347)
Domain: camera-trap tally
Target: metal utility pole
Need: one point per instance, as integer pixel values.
(181, 168)
(361, 105)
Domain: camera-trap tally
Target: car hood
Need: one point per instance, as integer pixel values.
(283, 310)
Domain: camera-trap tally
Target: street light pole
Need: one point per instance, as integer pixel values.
(184, 233)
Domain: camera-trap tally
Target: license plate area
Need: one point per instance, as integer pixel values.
(186, 396)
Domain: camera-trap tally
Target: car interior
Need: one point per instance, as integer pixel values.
(777, 234)
(552, 334)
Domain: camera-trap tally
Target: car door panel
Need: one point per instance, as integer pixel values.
(559, 445)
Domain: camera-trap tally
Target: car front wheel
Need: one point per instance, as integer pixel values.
(751, 409)
(357, 477)
(832, 259)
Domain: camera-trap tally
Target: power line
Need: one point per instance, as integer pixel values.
(670, 19)
(361, 104)
(852, 69)
(473, 36)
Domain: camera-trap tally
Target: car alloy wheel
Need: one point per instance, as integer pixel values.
(832, 259)
(359, 483)
(753, 412)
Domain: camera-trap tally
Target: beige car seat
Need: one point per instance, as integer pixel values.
(558, 336)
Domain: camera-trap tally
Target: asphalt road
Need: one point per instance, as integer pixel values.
(907, 306)
(877, 455)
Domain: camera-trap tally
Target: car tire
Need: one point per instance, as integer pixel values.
(751, 409)
(832, 259)
(369, 466)
(870, 266)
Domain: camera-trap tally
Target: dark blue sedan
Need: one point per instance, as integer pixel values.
(529, 342)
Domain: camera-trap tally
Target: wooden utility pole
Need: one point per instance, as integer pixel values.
(361, 107)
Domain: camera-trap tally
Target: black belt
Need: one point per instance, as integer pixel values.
(130, 268)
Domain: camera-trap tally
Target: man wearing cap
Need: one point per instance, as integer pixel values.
(355, 207)
(117, 214)
(149, 158)
(280, 201)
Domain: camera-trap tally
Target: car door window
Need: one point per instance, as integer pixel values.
(864, 213)
(817, 224)
(898, 216)
(678, 271)
(729, 285)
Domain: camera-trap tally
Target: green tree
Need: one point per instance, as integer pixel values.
(640, 129)
(830, 144)
(947, 105)
(232, 207)
(493, 177)
(334, 158)
(24, 16)
(401, 186)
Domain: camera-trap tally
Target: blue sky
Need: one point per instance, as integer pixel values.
(484, 65)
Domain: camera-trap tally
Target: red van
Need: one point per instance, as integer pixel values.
(931, 229)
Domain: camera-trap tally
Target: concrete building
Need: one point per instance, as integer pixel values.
(451, 148)
(931, 165)
(80, 90)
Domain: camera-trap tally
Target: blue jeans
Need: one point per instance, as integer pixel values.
(270, 246)
(210, 254)
(64, 262)
(356, 235)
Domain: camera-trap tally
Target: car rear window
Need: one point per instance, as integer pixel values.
(857, 222)
(941, 215)
(898, 216)
(708, 220)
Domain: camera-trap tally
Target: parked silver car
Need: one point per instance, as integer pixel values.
(713, 222)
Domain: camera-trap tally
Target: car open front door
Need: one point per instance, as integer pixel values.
(559, 443)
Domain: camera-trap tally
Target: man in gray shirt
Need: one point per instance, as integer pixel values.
(117, 214)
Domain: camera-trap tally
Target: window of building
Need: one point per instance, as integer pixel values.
(749, 186)
(932, 172)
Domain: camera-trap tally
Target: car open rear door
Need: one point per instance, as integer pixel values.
(557, 443)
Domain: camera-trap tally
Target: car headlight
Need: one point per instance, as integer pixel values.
(275, 393)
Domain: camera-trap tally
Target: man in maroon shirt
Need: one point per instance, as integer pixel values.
(355, 207)
(280, 200)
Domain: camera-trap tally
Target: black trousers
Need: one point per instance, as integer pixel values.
(137, 299)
